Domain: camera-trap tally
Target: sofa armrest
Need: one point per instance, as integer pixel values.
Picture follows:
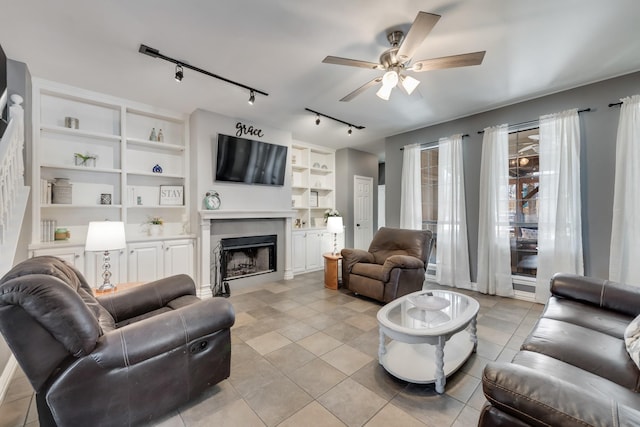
(540, 399)
(403, 261)
(151, 296)
(602, 293)
(156, 335)
(354, 256)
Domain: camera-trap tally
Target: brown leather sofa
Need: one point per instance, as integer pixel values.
(119, 360)
(573, 369)
(393, 266)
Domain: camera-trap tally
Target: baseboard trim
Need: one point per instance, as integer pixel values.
(7, 375)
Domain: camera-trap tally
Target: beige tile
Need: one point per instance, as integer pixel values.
(277, 400)
(423, 403)
(343, 331)
(242, 319)
(290, 357)
(363, 322)
(212, 400)
(171, 420)
(353, 403)
(234, 414)
(495, 336)
(347, 359)
(319, 343)
(475, 365)
(268, 342)
(391, 415)
(302, 312)
(317, 377)
(286, 305)
(361, 305)
(477, 399)
(14, 413)
(297, 331)
(374, 377)
(461, 386)
(468, 417)
(312, 415)
(248, 377)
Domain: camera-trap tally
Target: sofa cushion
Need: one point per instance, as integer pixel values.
(589, 350)
(372, 271)
(632, 340)
(590, 316)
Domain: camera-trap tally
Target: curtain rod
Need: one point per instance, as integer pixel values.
(480, 132)
(615, 104)
(432, 142)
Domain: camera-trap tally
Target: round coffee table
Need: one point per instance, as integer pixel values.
(416, 352)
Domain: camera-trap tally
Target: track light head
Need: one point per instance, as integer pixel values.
(350, 131)
(252, 98)
(317, 119)
(179, 73)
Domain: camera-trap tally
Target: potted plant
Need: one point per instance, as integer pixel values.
(155, 226)
(85, 159)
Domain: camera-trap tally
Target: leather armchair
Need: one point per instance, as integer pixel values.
(123, 359)
(393, 266)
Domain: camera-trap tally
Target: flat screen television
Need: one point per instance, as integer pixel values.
(3, 92)
(250, 162)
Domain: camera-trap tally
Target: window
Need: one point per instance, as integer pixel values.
(523, 201)
(429, 184)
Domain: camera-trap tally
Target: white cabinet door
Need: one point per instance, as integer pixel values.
(144, 261)
(94, 267)
(314, 250)
(298, 250)
(178, 257)
(74, 255)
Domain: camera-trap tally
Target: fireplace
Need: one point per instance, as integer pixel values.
(247, 256)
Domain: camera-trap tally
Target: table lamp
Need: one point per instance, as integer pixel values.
(105, 236)
(334, 225)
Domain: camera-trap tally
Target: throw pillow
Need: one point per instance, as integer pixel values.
(632, 340)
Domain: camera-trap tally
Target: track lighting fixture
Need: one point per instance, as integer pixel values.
(318, 114)
(252, 98)
(349, 132)
(179, 73)
(154, 53)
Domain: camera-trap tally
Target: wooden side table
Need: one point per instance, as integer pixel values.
(119, 287)
(331, 270)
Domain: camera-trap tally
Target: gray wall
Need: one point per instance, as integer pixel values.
(598, 137)
(350, 162)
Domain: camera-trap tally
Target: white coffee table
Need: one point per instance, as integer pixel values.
(416, 352)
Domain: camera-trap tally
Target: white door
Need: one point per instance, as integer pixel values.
(178, 257)
(73, 255)
(314, 250)
(362, 211)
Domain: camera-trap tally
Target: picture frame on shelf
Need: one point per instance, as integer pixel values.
(313, 199)
(171, 195)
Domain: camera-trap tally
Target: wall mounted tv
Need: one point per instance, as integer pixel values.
(250, 162)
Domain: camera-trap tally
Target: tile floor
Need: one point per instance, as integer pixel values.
(303, 355)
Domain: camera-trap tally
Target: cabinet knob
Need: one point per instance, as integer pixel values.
(77, 255)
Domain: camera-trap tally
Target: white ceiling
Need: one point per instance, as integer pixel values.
(533, 48)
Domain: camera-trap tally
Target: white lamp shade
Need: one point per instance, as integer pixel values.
(334, 224)
(409, 84)
(105, 236)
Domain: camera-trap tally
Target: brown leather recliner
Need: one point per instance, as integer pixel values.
(118, 360)
(393, 266)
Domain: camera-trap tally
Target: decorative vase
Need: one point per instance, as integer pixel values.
(155, 229)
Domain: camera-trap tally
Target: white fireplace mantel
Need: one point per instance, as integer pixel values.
(206, 216)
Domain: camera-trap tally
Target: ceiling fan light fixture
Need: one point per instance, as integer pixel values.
(384, 92)
(409, 83)
(390, 79)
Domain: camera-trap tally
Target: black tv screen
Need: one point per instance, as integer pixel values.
(250, 162)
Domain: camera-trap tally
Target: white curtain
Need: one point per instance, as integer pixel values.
(494, 252)
(559, 219)
(411, 189)
(624, 261)
(452, 258)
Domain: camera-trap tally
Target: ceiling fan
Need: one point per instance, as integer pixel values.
(397, 59)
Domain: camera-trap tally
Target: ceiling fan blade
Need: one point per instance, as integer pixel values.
(352, 63)
(453, 61)
(420, 29)
(361, 89)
